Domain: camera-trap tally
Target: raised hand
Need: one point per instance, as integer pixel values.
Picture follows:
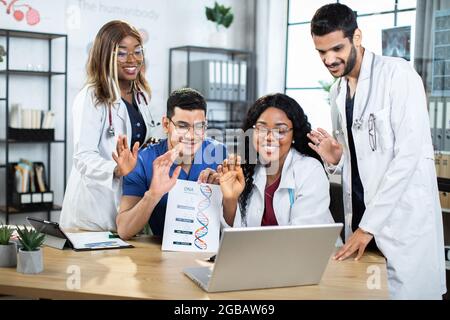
(232, 181)
(325, 146)
(209, 176)
(124, 157)
(162, 182)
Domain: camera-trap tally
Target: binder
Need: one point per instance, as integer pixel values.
(201, 77)
(230, 80)
(432, 117)
(439, 125)
(437, 163)
(224, 81)
(444, 198)
(236, 81)
(445, 166)
(211, 80)
(218, 80)
(446, 138)
(243, 81)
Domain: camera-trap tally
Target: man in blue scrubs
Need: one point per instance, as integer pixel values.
(183, 155)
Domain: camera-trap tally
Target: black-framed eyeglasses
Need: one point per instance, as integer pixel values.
(372, 132)
(183, 128)
(122, 54)
(278, 132)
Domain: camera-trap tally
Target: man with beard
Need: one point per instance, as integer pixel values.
(381, 143)
(183, 155)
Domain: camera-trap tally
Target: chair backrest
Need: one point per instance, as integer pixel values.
(337, 205)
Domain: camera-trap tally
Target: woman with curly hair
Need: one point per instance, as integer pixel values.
(284, 183)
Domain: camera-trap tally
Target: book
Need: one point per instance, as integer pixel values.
(15, 116)
(48, 121)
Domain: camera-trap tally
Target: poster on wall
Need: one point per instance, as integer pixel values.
(33, 15)
(441, 54)
(396, 42)
(21, 11)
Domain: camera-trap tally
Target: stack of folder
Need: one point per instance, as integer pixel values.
(219, 80)
(442, 163)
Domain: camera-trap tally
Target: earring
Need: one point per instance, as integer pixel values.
(293, 141)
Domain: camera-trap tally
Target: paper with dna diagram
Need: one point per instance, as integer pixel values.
(192, 217)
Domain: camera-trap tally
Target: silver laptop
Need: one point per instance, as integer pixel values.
(268, 257)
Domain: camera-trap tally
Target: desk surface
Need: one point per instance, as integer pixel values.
(145, 272)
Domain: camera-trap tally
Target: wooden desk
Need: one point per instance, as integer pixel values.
(145, 272)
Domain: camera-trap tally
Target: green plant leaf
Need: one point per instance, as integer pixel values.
(219, 14)
(209, 14)
(30, 239)
(227, 20)
(326, 85)
(5, 234)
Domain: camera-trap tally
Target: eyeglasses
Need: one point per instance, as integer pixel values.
(372, 132)
(278, 132)
(183, 128)
(122, 55)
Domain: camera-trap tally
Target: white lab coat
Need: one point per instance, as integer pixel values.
(400, 189)
(308, 180)
(92, 195)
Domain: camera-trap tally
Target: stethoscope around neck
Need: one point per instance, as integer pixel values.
(358, 122)
(139, 95)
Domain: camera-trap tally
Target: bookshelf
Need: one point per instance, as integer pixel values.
(232, 70)
(45, 138)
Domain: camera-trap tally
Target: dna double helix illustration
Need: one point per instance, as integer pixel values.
(202, 218)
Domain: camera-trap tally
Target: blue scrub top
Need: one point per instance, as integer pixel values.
(138, 128)
(137, 182)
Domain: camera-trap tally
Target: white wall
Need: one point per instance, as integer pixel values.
(169, 23)
(271, 45)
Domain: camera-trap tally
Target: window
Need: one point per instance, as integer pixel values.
(305, 70)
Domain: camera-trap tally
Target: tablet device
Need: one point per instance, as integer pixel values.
(49, 228)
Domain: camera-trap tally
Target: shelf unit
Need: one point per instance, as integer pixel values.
(233, 107)
(444, 186)
(48, 75)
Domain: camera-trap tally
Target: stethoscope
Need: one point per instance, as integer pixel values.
(358, 122)
(138, 95)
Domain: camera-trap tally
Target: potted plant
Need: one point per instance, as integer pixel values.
(221, 16)
(8, 250)
(326, 86)
(29, 259)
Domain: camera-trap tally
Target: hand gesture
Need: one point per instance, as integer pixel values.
(125, 158)
(209, 176)
(161, 181)
(325, 146)
(232, 181)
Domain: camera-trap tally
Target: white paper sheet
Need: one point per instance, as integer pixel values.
(193, 217)
(94, 241)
